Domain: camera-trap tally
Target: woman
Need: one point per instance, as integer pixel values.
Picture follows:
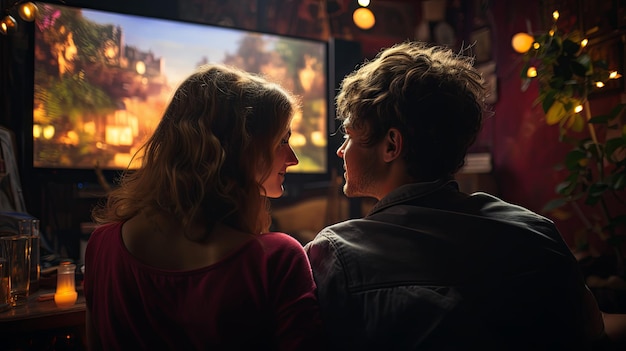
(179, 260)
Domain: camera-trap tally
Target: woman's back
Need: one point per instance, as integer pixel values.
(178, 260)
(245, 299)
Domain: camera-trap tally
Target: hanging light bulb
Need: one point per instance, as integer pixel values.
(522, 42)
(28, 11)
(363, 18)
(7, 24)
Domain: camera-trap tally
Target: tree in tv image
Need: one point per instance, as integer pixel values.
(103, 80)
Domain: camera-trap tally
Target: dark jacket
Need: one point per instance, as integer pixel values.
(431, 268)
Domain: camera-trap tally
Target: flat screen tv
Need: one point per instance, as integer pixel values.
(102, 81)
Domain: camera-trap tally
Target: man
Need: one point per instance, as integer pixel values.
(430, 267)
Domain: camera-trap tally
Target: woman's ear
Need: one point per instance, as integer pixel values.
(393, 144)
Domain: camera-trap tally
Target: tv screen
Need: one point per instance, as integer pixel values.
(102, 81)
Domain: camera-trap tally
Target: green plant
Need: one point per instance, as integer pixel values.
(595, 168)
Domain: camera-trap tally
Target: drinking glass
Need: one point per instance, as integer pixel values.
(30, 227)
(16, 251)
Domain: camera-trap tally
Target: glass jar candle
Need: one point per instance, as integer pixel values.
(66, 295)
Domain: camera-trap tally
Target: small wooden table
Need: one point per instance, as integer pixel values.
(43, 323)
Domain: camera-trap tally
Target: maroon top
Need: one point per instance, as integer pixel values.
(260, 297)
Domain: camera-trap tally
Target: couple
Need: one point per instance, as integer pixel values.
(178, 263)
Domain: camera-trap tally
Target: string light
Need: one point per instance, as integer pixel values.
(584, 43)
(524, 42)
(27, 11)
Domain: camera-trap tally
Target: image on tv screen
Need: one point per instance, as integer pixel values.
(102, 81)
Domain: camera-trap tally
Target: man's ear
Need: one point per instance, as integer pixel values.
(393, 144)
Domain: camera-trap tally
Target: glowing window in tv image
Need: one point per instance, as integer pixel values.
(103, 80)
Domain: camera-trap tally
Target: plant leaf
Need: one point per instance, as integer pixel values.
(548, 100)
(585, 61)
(556, 113)
(603, 119)
(619, 181)
(576, 122)
(554, 204)
(613, 145)
(573, 158)
(564, 188)
(570, 47)
(579, 69)
(617, 221)
(597, 189)
(616, 111)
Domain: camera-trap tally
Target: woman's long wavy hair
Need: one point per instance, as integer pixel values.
(208, 157)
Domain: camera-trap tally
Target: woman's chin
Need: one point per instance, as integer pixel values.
(275, 193)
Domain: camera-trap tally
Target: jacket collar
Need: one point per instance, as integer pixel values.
(412, 191)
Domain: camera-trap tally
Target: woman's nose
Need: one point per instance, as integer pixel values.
(292, 159)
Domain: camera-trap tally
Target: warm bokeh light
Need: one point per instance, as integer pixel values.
(318, 138)
(600, 84)
(536, 46)
(37, 130)
(140, 67)
(584, 42)
(110, 52)
(363, 18)
(614, 75)
(27, 11)
(297, 139)
(7, 24)
(555, 15)
(364, 3)
(48, 132)
(89, 128)
(118, 135)
(522, 42)
(578, 108)
(531, 72)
